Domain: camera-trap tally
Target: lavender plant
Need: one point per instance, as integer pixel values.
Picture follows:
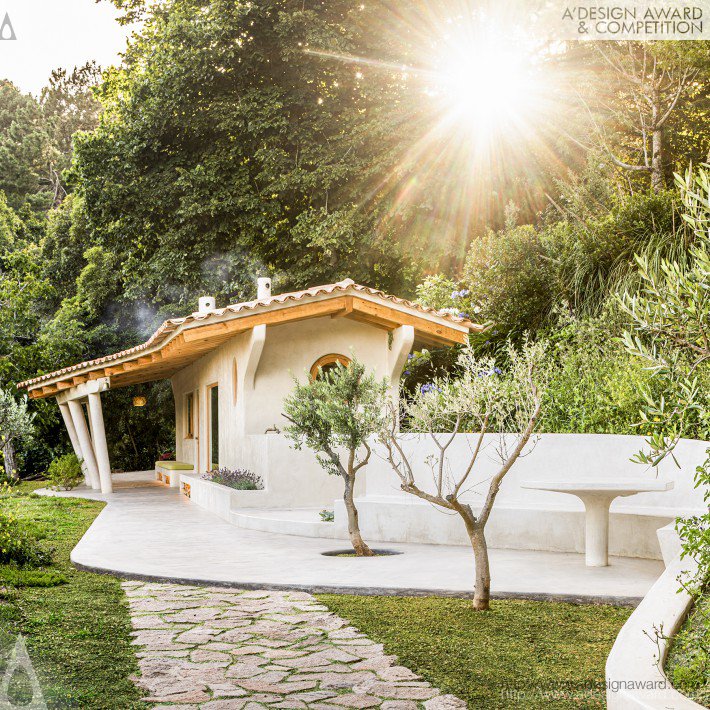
(241, 479)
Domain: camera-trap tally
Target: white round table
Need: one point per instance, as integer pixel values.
(597, 497)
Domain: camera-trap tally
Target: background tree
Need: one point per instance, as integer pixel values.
(26, 150)
(15, 425)
(482, 399)
(335, 415)
(69, 106)
(654, 86)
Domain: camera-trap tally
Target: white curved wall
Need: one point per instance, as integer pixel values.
(634, 668)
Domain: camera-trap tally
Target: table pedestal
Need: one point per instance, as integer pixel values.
(596, 530)
(597, 496)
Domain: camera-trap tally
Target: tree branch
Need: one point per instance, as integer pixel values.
(496, 481)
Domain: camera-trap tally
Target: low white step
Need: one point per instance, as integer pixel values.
(304, 522)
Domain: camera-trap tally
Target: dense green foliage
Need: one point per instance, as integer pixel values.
(670, 331)
(18, 546)
(76, 624)
(521, 654)
(508, 276)
(595, 387)
(239, 139)
(688, 664)
(226, 148)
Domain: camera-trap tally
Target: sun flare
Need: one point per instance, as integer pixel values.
(478, 102)
(485, 87)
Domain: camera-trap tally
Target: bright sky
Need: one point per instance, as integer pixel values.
(57, 33)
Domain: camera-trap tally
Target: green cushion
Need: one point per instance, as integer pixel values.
(174, 465)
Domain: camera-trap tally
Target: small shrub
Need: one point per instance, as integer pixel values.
(509, 276)
(241, 479)
(18, 547)
(31, 578)
(65, 472)
(8, 484)
(327, 516)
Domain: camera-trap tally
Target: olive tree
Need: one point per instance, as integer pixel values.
(15, 424)
(483, 399)
(335, 414)
(670, 330)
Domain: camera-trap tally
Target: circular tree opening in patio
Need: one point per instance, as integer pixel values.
(350, 553)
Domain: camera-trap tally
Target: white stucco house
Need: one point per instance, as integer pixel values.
(231, 368)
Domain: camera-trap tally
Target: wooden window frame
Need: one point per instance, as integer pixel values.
(208, 421)
(190, 415)
(329, 359)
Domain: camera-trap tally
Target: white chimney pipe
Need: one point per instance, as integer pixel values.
(206, 304)
(263, 288)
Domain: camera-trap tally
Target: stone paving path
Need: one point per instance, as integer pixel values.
(226, 649)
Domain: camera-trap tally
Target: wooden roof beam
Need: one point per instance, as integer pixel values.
(390, 318)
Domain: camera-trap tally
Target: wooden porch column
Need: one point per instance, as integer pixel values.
(84, 439)
(99, 439)
(76, 446)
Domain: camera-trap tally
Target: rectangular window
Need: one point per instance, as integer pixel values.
(213, 423)
(190, 415)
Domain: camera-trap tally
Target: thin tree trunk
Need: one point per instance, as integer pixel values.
(8, 452)
(657, 178)
(482, 590)
(359, 545)
(476, 534)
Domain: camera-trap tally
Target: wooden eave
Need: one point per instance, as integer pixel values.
(191, 341)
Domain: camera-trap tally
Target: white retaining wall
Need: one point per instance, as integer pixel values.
(634, 668)
(522, 519)
(529, 519)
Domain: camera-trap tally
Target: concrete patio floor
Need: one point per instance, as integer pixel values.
(150, 531)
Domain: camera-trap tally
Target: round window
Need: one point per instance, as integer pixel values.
(328, 362)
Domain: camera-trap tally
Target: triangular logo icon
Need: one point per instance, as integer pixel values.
(20, 660)
(7, 31)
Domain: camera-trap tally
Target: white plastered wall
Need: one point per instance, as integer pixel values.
(292, 478)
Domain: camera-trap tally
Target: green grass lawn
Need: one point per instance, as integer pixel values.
(77, 632)
(521, 654)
